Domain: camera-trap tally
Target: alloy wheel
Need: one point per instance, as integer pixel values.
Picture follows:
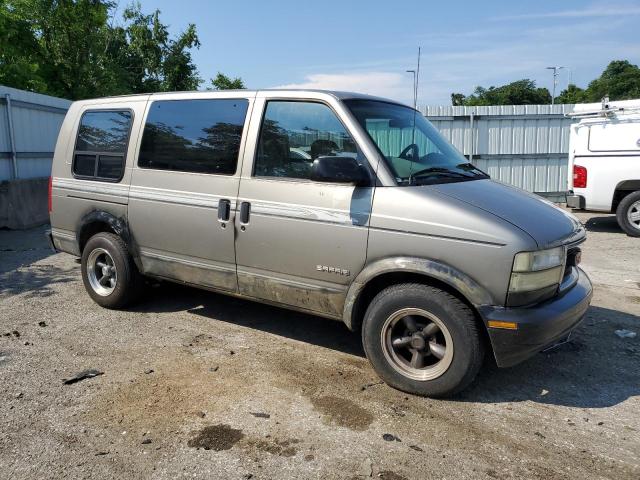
(101, 272)
(417, 344)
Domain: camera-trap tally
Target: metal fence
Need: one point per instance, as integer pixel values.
(29, 125)
(524, 145)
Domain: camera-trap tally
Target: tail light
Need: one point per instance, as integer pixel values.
(579, 177)
(49, 195)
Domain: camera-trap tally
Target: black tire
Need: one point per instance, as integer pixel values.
(459, 320)
(624, 207)
(128, 282)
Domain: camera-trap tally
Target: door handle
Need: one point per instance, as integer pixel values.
(245, 210)
(224, 210)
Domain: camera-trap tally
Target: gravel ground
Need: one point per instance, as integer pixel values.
(203, 386)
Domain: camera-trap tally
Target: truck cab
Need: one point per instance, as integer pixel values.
(604, 161)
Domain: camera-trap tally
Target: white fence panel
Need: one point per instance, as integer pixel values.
(29, 126)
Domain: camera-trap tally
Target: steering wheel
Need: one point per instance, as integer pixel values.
(413, 149)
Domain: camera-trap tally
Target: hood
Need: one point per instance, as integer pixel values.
(547, 224)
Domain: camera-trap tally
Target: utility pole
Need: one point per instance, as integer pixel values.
(556, 71)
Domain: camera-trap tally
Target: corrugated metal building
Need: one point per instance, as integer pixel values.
(525, 145)
(29, 125)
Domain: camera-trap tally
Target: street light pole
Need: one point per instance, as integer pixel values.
(556, 71)
(416, 79)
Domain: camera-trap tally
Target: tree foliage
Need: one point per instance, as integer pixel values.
(75, 49)
(19, 51)
(619, 81)
(222, 82)
(521, 92)
(150, 60)
(572, 94)
(54, 46)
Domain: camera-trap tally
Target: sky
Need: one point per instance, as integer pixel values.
(367, 46)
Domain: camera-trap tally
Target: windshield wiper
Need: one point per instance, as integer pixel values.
(439, 171)
(470, 167)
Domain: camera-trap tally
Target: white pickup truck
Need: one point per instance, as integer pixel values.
(604, 161)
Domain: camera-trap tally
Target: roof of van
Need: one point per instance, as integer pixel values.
(337, 94)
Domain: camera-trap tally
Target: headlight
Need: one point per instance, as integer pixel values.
(536, 276)
(539, 260)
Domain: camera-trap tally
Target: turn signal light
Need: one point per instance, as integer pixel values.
(579, 177)
(505, 325)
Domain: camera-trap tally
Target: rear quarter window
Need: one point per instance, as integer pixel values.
(101, 145)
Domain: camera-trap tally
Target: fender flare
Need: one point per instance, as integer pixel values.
(476, 294)
(628, 185)
(120, 227)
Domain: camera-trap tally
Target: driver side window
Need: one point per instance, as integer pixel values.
(293, 134)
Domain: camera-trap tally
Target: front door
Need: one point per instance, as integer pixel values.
(184, 186)
(299, 242)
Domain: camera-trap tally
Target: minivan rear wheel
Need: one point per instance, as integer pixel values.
(422, 340)
(628, 214)
(108, 271)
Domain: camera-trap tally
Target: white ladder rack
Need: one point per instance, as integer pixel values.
(606, 111)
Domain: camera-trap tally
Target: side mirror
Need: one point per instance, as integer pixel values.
(339, 170)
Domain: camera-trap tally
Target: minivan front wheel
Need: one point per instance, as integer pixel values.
(422, 340)
(108, 271)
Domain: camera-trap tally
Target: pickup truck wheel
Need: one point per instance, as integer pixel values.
(628, 214)
(422, 340)
(108, 272)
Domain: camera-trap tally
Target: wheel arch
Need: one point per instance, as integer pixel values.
(383, 273)
(623, 189)
(98, 221)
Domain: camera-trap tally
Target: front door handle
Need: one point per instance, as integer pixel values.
(245, 210)
(224, 210)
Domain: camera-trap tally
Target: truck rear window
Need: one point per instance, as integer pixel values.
(101, 145)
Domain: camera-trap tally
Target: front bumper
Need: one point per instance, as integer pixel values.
(575, 201)
(539, 326)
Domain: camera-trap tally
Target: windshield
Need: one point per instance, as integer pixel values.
(414, 150)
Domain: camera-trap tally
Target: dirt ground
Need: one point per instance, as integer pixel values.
(203, 386)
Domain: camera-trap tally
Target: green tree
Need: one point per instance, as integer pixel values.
(149, 58)
(70, 49)
(572, 94)
(18, 51)
(222, 82)
(63, 43)
(619, 81)
(521, 92)
(457, 99)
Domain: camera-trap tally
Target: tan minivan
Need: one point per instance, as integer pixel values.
(337, 204)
